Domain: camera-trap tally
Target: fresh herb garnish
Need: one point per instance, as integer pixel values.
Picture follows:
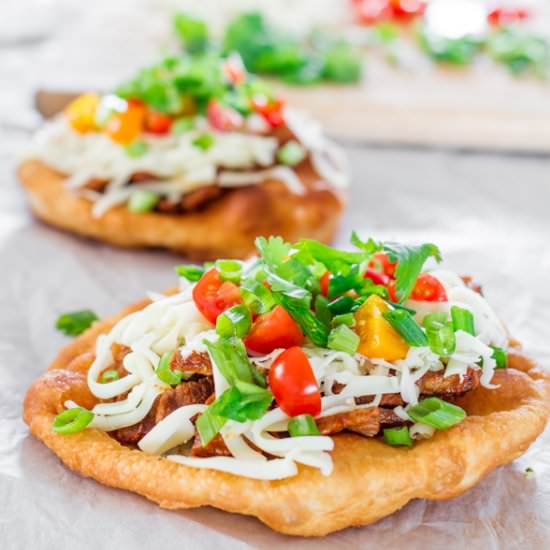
(75, 322)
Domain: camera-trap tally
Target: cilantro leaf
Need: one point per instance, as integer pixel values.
(411, 259)
(273, 250)
(192, 32)
(369, 247)
(336, 261)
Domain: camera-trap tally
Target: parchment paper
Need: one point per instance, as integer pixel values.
(489, 214)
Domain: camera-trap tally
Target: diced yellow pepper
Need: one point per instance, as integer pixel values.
(81, 112)
(379, 340)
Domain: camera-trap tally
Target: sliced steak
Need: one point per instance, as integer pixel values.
(195, 363)
(188, 393)
(364, 421)
(200, 197)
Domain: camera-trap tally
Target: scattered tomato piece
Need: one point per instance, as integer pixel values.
(323, 282)
(504, 16)
(426, 289)
(157, 123)
(293, 383)
(376, 277)
(274, 330)
(223, 118)
(272, 110)
(213, 296)
(382, 264)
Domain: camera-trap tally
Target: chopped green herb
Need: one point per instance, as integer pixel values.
(291, 153)
(230, 270)
(501, 357)
(398, 436)
(109, 376)
(142, 201)
(164, 371)
(440, 333)
(136, 149)
(302, 425)
(342, 338)
(407, 327)
(190, 272)
(72, 421)
(436, 413)
(235, 321)
(183, 125)
(204, 141)
(256, 296)
(193, 32)
(75, 322)
(347, 319)
(463, 320)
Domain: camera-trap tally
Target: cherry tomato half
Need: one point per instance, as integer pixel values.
(426, 289)
(323, 282)
(273, 330)
(293, 383)
(223, 118)
(157, 123)
(504, 16)
(369, 12)
(381, 263)
(272, 110)
(376, 277)
(126, 126)
(213, 296)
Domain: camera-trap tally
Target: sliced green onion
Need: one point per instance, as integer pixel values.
(190, 272)
(72, 421)
(440, 333)
(501, 357)
(204, 141)
(235, 321)
(402, 321)
(256, 296)
(75, 322)
(230, 270)
(463, 320)
(302, 425)
(343, 304)
(165, 373)
(142, 200)
(436, 413)
(243, 402)
(342, 338)
(322, 311)
(183, 125)
(291, 153)
(398, 436)
(208, 425)
(338, 284)
(347, 319)
(109, 376)
(137, 149)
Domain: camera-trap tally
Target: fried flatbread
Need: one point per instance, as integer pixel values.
(370, 479)
(226, 227)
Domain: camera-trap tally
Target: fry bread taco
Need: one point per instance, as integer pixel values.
(193, 154)
(311, 387)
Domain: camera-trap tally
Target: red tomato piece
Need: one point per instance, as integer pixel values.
(369, 12)
(223, 118)
(407, 8)
(157, 123)
(376, 277)
(505, 16)
(271, 110)
(323, 282)
(382, 264)
(234, 70)
(293, 383)
(213, 296)
(126, 126)
(426, 289)
(274, 330)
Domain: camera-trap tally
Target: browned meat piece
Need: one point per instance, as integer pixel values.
(364, 421)
(216, 447)
(470, 283)
(168, 207)
(388, 400)
(95, 184)
(187, 393)
(195, 363)
(200, 197)
(142, 176)
(433, 383)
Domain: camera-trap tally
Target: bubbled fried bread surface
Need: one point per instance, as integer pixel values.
(226, 227)
(370, 479)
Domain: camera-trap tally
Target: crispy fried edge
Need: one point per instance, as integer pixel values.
(370, 479)
(227, 227)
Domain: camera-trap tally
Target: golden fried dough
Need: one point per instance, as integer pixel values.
(226, 227)
(370, 479)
